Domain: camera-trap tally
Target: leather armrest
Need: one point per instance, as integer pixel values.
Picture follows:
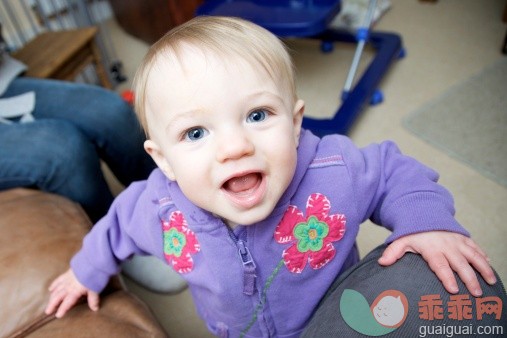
(39, 234)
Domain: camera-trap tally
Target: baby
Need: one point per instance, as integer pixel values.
(256, 213)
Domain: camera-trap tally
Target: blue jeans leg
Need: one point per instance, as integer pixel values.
(100, 115)
(54, 156)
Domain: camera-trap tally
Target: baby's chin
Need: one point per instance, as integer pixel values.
(248, 218)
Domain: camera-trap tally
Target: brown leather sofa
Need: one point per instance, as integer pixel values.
(39, 232)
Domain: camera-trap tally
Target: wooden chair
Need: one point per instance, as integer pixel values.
(63, 55)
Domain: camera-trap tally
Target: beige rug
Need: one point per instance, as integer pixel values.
(469, 122)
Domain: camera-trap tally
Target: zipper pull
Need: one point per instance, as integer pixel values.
(249, 275)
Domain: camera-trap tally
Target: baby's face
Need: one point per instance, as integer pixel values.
(225, 131)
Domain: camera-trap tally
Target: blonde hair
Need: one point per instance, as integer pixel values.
(223, 36)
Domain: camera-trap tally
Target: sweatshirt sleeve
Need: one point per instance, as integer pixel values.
(127, 229)
(398, 192)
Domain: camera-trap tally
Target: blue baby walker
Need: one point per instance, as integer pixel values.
(311, 19)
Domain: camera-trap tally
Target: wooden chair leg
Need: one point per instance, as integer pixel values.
(99, 67)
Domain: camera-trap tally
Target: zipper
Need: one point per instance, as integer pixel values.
(249, 267)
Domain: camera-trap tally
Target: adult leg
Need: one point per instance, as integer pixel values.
(405, 299)
(53, 156)
(101, 115)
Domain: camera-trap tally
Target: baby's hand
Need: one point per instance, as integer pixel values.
(65, 291)
(445, 252)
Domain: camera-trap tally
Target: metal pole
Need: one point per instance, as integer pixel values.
(362, 37)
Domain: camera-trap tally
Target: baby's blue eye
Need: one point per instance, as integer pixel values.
(257, 116)
(195, 134)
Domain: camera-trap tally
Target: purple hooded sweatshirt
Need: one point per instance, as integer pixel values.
(266, 279)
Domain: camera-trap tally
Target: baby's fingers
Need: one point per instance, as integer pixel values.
(394, 252)
(439, 264)
(464, 264)
(56, 283)
(477, 249)
(467, 275)
(479, 260)
(67, 303)
(53, 303)
(93, 301)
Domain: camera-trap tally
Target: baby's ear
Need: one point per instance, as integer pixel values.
(156, 154)
(297, 118)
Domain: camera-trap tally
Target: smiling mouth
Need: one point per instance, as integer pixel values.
(245, 190)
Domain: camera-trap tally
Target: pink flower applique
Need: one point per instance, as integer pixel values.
(179, 243)
(312, 236)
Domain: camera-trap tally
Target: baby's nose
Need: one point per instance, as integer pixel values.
(234, 145)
